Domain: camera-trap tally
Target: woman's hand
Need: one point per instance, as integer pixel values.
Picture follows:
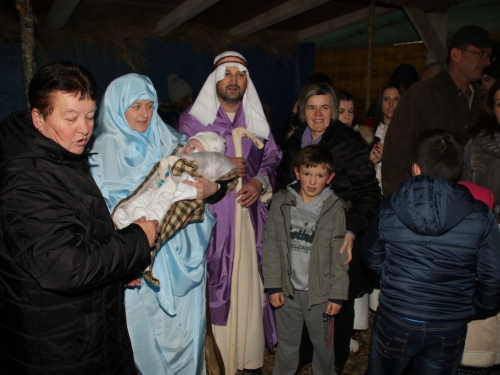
(348, 245)
(150, 228)
(376, 153)
(132, 281)
(249, 193)
(204, 188)
(277, 300)
(240, 164)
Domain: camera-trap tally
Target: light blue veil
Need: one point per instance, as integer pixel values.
(123, 156)
(167, 324)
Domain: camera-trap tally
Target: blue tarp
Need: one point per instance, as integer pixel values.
(278, 81)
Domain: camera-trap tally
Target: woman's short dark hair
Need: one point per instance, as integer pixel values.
(64, 76)
(315, 155)
(317, 89)
(487, 121)
(379, 114)
(439, 152)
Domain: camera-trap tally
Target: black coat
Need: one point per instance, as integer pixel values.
(354, 182)
(61, 262)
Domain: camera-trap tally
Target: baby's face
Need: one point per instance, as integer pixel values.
(193, 145)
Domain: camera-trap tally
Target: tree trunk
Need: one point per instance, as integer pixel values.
(26, 25)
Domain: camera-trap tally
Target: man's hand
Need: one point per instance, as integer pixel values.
(150, 228)
(240, 164)
(249, 193)
(348, 245)
(332, 309)
(277, 300)
(204, 188)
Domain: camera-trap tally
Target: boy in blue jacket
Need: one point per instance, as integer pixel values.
(437, 252)
(303, 269)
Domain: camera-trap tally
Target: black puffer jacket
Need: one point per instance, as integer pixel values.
(354, 180)
(61, 262)
(436, 249)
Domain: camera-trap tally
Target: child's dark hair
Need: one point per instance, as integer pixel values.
(439, 152)
(315, 155)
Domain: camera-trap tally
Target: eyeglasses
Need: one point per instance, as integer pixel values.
(484, 55)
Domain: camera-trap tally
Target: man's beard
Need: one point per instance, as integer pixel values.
(223, 96)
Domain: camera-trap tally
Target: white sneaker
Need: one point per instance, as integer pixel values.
(354, 346)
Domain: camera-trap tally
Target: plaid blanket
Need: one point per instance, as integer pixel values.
(180, 211)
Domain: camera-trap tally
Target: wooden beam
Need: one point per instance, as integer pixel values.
(429, 36)
(369, 54)
(187, 10)
(338, 23)
(439, 22)
(27, 28)
(280, 13)
(60, 13)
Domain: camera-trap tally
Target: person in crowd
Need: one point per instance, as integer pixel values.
(436, 250)
(491, 74)
(346, 116)
(431, 70)
(346, 109)
(354, 181)
(166, 324)
(63, 264)
(405, 76)
(293, 119)
(387, 101)
(481, 344)
(299, 290)
(180, 95)
(482, 152)
(229, 100)
(450, 100)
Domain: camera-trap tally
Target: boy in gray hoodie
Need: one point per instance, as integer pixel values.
(303, 268)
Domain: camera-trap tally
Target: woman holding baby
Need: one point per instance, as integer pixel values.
(166, 323)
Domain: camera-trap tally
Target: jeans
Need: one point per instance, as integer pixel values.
(435, 347)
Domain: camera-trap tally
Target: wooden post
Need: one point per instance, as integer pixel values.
(439, 22)
(435, 46)
(26, 25)
(369, 57)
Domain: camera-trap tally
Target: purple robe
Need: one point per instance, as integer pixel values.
(220, 252)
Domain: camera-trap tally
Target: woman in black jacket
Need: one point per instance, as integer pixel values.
(354, 182)
(62, 264)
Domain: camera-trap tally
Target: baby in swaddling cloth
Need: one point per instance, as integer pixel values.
(158, 192)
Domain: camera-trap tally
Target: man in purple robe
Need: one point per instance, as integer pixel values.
(228, 100)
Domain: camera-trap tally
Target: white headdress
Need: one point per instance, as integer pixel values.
(207, 104)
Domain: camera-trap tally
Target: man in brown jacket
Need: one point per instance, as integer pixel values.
(450, 100)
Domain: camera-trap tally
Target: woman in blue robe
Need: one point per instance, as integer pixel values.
(166, 323)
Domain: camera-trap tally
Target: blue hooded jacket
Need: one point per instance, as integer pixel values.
(437, 251)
